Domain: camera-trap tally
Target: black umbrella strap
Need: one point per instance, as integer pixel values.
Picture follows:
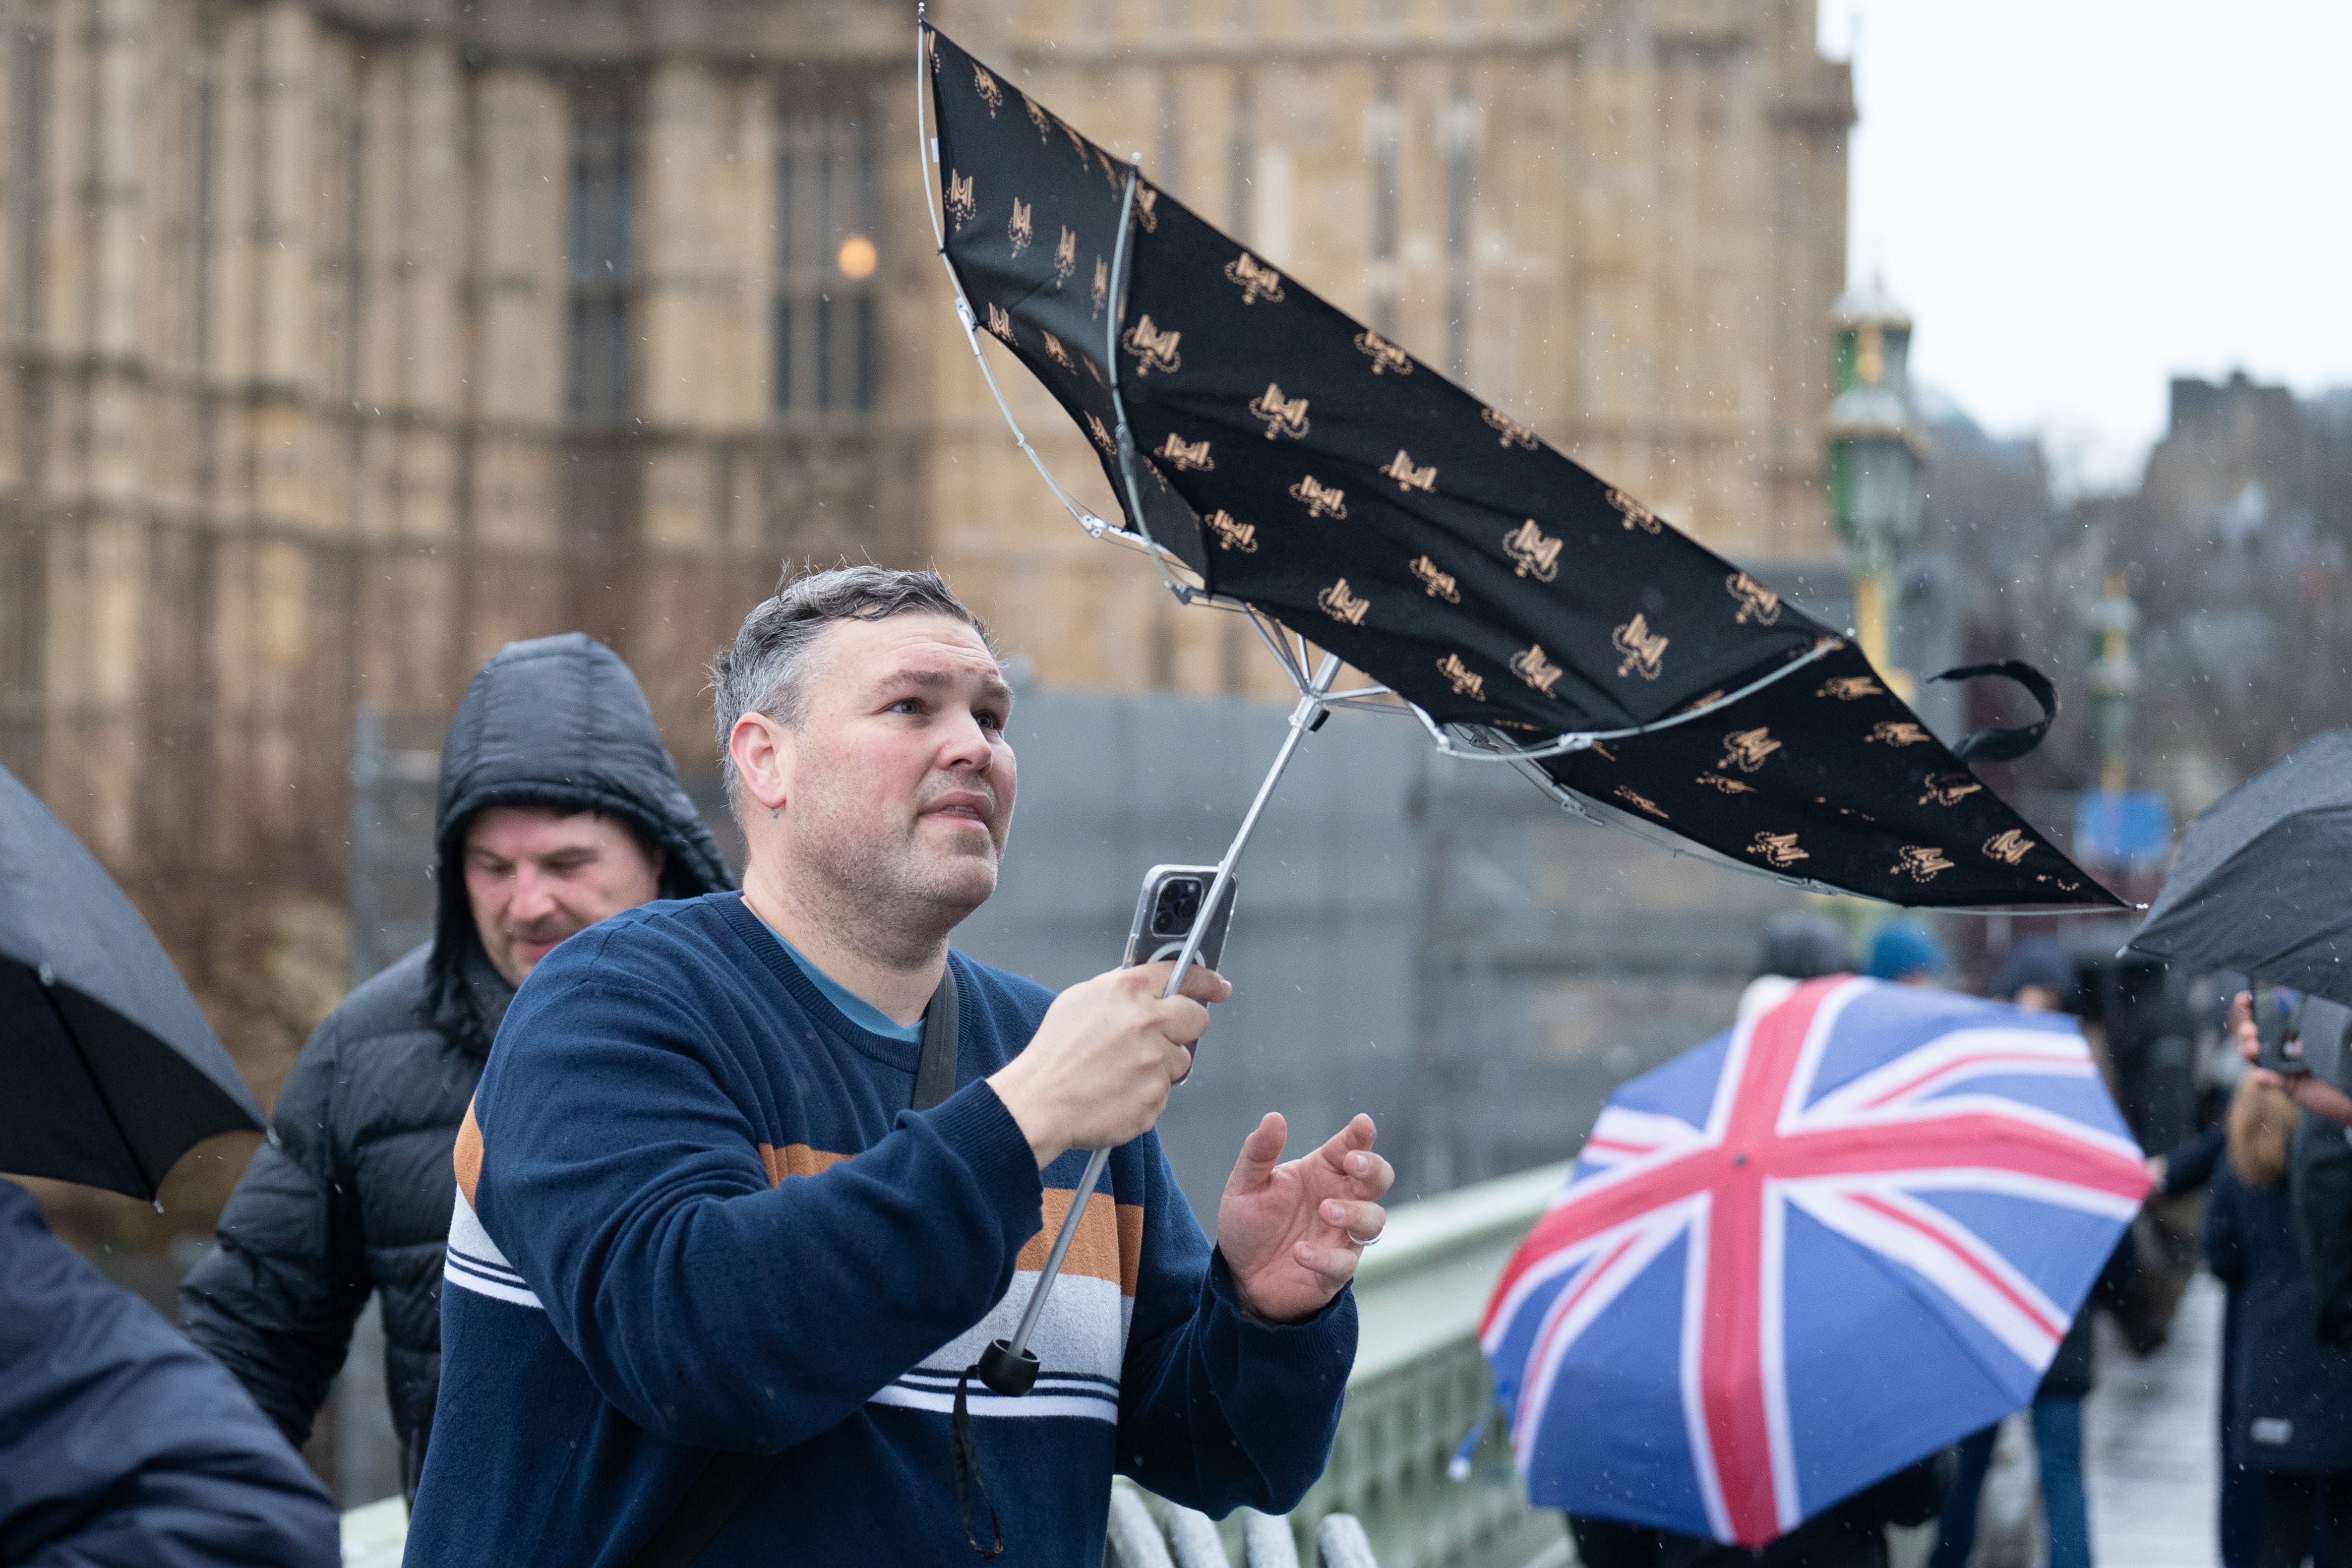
(2006, 745)
(968, 1474)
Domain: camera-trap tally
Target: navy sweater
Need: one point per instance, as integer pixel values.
(694, 1212)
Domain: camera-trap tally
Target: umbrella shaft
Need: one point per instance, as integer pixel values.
(1303, 719)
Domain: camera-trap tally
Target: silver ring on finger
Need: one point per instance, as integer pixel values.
(1362, 1242)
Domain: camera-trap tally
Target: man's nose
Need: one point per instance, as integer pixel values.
(966, 745)
(534, 896)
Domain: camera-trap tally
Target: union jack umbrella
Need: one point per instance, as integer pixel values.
(1824, 1244)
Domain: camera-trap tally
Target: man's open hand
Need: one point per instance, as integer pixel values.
(1291, 1233)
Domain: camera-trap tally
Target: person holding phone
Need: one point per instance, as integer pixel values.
(2319, 1174)
(698, 1219)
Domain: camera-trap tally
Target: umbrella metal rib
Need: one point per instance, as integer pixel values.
(1003, 1371)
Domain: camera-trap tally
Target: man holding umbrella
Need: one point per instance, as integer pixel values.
(558, 808)
(697, 1212)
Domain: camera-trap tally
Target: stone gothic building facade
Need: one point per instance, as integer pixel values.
(350, 339)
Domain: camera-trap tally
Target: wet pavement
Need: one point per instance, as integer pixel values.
(2150, 1436)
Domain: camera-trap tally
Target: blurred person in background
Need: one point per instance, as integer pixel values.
(1905, 953)
(121, 1443)
(1798, 946)
(558, 807)
(2036, 976)
(2289, 1401)
(1853, 1534)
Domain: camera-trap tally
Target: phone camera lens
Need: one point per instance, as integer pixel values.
(1179, 901)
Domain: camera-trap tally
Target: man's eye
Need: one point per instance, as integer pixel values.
(908, 705)
(990, 720)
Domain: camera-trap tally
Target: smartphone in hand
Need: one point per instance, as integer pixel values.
(2278, 1028)
(1164, 913)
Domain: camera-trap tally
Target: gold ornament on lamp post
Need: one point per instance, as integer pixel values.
(1876, 455)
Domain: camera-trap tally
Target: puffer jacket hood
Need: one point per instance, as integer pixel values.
(555, 722)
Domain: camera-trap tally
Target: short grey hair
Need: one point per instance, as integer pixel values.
(763, 670)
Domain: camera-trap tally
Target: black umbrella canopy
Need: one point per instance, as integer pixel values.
(2260, 883)
(1301, 463)
(112, 1072)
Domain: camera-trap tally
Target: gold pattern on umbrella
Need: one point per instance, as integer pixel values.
(1532, 554)
(1465, 681)
(1847, 687)
(1153, 348)
(1635, 514)
(1409, 478)
(1436, 583)
(1096, 428)
(1341, 605)
(1531, 664)
(1716, 781)
(1320, 499)
(1629, 794)
(1040, 119)
(1231, 534)
(1921, 863)
(1057, 354)
(1385, 356)
(1066, 255)
(1101, 295)
(1282, 415)
(1897, 733)
(1644, 649)
(1514, 433)
(958, 200)
(999, 321)
(1947, 789)
(1258, 281)
(1184, 455)
(1747, 750)
(1756, 603)
(1778, 850)
(990, 93)
(2008, 846)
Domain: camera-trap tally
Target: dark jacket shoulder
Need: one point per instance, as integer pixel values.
(119, 1441)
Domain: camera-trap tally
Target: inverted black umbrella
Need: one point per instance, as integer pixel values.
(112, 1072)
(1277, 458)
(1281, 459)
(2260, 885)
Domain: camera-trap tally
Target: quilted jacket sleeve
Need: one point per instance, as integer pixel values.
(276, 1300)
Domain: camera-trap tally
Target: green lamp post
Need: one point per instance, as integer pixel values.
(1876, 455)
(2114, 682)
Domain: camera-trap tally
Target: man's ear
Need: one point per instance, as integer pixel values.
(763, 753)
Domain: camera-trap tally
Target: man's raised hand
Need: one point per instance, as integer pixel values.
(1097, 1072)
(1291, 1233)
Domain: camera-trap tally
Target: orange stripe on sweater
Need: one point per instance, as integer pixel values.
(467, 1155)
(1109, 1246)
(795, 1160)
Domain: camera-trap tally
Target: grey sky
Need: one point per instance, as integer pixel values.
(2079, 199)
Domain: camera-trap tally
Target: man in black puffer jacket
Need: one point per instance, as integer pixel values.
(558, 807)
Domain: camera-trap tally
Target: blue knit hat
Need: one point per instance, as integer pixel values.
(1902, 950)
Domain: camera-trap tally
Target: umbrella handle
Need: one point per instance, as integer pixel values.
(1010, 1366)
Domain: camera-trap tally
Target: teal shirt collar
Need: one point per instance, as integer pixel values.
(854, 1007)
